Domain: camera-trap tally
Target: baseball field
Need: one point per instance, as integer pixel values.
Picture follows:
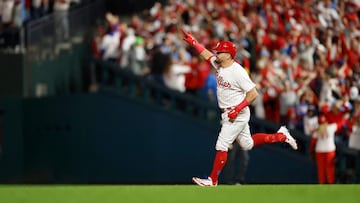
(179, 193)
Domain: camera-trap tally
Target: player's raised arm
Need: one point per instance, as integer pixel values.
(205, 53)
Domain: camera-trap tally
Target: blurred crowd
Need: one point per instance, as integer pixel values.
(303, 55)
(14, 14)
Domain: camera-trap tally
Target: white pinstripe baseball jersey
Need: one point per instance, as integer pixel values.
(232, 84)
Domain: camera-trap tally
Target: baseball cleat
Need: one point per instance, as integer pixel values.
(289, 139)
(204, 182)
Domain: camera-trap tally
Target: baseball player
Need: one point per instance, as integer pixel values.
(235, 91)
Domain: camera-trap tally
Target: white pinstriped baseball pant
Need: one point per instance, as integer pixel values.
(238, 130)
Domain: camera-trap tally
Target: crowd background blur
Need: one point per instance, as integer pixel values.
(16, 14)
(304, 55)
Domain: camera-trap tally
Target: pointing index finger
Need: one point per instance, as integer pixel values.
(185, 32)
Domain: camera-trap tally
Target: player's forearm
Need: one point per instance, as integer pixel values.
(249, 98)
(251, 95)
(203, 52)
(206, 54)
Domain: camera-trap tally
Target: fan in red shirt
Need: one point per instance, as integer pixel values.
(335, 113)
(273, 42)
(195, 79)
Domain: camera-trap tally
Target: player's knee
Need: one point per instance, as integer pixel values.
(222, 145)
(247, 144)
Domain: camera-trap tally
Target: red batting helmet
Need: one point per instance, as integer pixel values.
(225, 46)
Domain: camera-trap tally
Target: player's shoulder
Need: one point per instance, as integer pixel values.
(238, 67)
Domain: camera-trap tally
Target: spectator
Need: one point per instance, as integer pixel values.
(271, 102)
(138, 60)
(196, 78)
(310, 121)
(10, 24)
(61, 8)
(288, 99)
(208, 92)
(244, 55)
(328, 16)
(158, 63)
(126, 44)
(19, 14)
(7, 13)
(37, 9)
(258, 104)
(323, 146)
(354, 137)
(97, 40)
(336, 112)
(109, 46)
(174, 75)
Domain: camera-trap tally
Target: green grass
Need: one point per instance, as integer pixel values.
(179, 193)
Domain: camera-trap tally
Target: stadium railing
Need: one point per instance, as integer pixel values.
(43, 47)
(124, 82)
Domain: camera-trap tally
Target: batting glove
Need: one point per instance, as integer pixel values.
(233, 113)
(189, 38)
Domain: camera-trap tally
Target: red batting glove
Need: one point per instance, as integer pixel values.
(233, 113)
(189, 38)
(193, 42)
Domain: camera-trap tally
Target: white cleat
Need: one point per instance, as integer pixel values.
(204, 182)
(289, 139)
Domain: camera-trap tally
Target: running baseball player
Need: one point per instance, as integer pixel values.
(235, 91)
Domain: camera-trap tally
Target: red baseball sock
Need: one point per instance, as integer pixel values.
(219, 163)
(263, 138)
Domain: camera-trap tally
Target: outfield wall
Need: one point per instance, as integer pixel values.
(99, 138)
